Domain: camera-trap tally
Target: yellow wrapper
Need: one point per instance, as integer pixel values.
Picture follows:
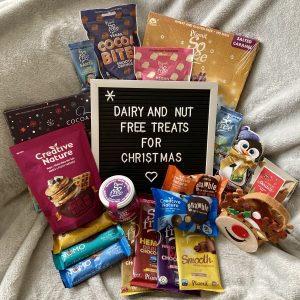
(218, 56)
(131, 231)
(66, 240)
(197, 261)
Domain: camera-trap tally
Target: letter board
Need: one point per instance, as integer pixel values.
(140, 127)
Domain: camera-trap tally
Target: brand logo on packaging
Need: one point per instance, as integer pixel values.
(117, 190)
(162, 68)
(83, 57)
(196, 42)
(55, 153)
(153, 22)
(112, 27)
(225, 124)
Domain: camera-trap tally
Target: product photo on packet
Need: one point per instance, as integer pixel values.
(149, 150)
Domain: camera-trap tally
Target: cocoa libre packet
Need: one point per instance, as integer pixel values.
(28, 122)
(114, 32)
(218, 56)
(62, 175)
(144, 272)
(131, 230)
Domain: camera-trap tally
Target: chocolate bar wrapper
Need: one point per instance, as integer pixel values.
(227, 128)
(273, 181)
(131, 230)
(114, 32)
(85, 62)
(76, 253)
(28, 122)
(190, 213)
(218, 56)
(96, 263)
(144, 272)
(197, 262)
(154, 63)
(68, 239)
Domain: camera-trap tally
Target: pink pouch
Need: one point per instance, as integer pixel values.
(61, 172)
(151, 63)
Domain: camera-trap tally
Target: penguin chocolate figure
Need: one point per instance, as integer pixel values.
(242, 157)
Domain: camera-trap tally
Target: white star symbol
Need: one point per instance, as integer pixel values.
(110, 95)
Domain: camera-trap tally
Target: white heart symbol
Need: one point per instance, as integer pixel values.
(151, 176)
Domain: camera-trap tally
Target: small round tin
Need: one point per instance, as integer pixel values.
(117, 193)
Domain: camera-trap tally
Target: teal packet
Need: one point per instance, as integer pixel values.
(96, 263)
(227, 128)
(76, 253)
(85, 62)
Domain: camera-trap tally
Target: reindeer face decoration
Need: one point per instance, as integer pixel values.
(249, 220)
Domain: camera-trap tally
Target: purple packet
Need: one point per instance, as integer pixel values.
(114, 32)
(167, 269)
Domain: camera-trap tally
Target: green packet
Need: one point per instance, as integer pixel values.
(90, 246)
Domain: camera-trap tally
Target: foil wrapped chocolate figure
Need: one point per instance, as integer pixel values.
(242, 157)
(252, 219)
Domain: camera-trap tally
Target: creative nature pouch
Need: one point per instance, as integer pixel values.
(62, 175)
(114, 32)
(152, 63)
(218, 56)
(197, 262)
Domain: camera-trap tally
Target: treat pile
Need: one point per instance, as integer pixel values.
(165, 240)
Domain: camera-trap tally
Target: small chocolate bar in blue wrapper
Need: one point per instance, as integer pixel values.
(190, 213)
(76, 253)
(96, 263)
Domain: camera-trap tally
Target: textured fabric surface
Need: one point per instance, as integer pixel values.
(35, 65)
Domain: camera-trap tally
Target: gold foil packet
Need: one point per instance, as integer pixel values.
(197, 261)
(218, 56)
(68, 239)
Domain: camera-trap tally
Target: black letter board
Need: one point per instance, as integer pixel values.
(140, 127)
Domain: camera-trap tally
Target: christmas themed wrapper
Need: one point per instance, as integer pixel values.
(96, 263)
(78, 252)
(68, 239)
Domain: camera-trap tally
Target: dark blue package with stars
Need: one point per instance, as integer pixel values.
(191, 213)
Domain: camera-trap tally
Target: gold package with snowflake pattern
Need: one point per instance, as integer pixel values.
(218, 56)
(197, 261)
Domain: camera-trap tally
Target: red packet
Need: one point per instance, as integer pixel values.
(61, 172)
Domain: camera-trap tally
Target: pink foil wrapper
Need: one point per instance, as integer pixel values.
(152, 63)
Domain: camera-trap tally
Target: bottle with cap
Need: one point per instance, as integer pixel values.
(117, 193)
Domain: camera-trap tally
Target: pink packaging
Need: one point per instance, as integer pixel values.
(61, 172)
(152, 63)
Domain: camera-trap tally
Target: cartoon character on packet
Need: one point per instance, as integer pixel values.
(242, 157)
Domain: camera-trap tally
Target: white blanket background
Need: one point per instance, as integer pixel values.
(35, 65)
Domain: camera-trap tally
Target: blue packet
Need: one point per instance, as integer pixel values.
(96, 263)
(114, 33)
(191, 213)
(85, 61)
(227, 128)
(76, 253)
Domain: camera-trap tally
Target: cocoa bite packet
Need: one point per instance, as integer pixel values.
(62, 175)
(114, 32)
(145, 261)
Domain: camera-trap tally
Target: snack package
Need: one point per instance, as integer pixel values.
(76, 253)
(227, 128)
(190, 213)
(114, 32)
(197, 262)
(31, 121)
(152, 63)
(62, 175)
(96, 263)
(197, 184)
(167, 270)
(144, 272)
(68, 239)
(273, 181)
(242, 158)
(131, 230)
(85, 62)
(218, 56)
